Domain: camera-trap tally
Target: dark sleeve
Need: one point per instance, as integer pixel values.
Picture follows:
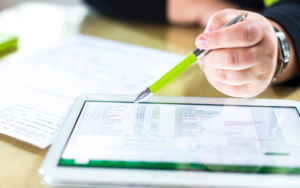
(141, 10)
(257, 5)
(287, 14)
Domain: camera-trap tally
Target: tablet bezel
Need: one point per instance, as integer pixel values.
(52, 174)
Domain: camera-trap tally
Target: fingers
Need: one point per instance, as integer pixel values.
(222, 17)
(238, 72)
(243, 56)
(229, 77)
(242, 34)
(245, 90)
(233, 58)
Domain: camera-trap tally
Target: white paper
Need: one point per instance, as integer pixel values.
(38, 91)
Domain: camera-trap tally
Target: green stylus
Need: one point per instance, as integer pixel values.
(179, 68)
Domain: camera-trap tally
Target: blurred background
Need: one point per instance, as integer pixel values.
(9, 3)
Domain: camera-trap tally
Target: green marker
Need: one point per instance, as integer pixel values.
(179, 68)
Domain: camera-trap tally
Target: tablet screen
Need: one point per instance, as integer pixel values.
(185, 137)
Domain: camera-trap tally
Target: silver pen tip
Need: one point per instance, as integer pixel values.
(143, 95)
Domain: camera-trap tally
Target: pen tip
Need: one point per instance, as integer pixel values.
(143, 95)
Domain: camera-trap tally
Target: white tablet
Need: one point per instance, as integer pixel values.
(107, 140)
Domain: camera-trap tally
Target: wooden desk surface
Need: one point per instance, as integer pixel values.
(40, 25)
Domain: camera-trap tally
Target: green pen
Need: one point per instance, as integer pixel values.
(179, 68)
(7, 42)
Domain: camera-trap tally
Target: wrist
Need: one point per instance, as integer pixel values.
(292, 68)
(283, 52)
(278, 64)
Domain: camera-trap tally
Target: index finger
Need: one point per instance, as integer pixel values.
(242, 34)
(219, 19)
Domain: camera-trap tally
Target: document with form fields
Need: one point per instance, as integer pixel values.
(38, 91)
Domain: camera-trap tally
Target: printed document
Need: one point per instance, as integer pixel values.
(38, 91)
(184, 133)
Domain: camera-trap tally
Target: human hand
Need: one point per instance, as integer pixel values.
(195, 11)
(244, 56)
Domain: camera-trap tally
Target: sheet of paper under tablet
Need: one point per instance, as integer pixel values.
(38, 91)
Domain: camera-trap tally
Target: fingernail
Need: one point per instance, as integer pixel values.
(202, 42)
(207, 30)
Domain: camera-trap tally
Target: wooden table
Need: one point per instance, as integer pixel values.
(40, 25)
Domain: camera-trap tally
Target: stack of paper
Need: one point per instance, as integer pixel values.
(37, 92)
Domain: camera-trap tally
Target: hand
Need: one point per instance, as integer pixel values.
(194, 11)
(244, 56)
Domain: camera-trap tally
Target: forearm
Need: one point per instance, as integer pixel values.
(182, 11)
